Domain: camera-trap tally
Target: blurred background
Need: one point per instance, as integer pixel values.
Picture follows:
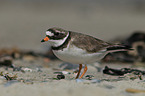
(23, 22)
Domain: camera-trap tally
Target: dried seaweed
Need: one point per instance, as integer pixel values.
(8, 77)
(122, 71)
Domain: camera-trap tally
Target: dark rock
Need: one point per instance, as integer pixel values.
(6, 61)
(17, 69)
(135, 37)
(89, 77)
(60, 76)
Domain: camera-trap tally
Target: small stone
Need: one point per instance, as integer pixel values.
(38, 70)
(89, 77)
(65, 72)
(17, 68)
(26, 70)
(60, 76)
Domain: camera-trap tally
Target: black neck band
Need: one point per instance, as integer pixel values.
(64, 45)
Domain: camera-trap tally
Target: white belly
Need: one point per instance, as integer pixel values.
(78, 56)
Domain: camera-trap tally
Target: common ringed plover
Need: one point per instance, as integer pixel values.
(78, 48)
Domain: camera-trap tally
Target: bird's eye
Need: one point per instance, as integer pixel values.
(57, 34)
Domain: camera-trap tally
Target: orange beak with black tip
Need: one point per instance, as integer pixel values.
(45, 39)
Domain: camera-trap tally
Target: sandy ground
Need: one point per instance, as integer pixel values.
(40, 80)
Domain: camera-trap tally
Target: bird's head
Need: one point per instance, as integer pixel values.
(56, 36)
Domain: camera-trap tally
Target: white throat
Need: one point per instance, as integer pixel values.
(57, 43)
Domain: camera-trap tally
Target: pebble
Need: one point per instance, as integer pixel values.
(89, 77)
(62, 72)
(65, 72)
(26, 69)
(60, 76)
(38, 70)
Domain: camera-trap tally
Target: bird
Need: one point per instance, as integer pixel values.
(78, 48)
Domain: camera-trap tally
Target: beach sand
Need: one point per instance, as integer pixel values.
(40, 80)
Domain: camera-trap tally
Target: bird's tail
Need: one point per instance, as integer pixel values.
(115, 48)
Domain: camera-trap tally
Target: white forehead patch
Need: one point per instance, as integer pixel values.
(49, 33)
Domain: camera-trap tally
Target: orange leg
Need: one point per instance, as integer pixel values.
(80, 68)
(85, 70)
